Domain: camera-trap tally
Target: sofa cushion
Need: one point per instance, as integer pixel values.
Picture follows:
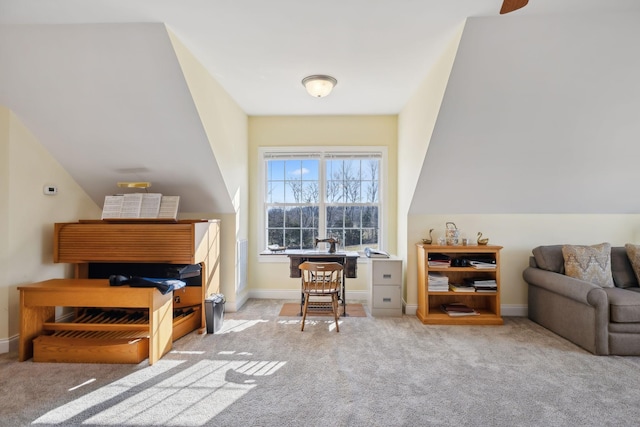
(589, 263)
(622, 271)
(549, 258)
(633, 254)
(624, 305)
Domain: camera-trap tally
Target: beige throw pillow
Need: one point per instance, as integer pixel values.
(633, 253)
(589, 263)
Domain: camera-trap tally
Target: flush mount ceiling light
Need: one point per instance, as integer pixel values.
(319, 85)
(134, 184)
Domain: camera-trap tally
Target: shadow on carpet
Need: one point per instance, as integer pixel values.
(291, 309)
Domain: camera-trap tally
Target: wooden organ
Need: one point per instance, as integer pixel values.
(107, 327)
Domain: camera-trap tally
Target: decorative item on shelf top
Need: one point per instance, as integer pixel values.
(429, 240)
(276, 248)
(482, 241)
(452, 234)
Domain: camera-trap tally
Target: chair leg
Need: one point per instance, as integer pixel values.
(304, 311)
(334, 304)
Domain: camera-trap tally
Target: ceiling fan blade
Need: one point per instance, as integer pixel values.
(511, 5)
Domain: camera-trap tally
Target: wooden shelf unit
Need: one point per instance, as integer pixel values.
(486, 303)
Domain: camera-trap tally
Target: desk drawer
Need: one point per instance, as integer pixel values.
(387, 296)
(386, 272)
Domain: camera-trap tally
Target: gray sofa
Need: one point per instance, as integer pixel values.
(604, 321)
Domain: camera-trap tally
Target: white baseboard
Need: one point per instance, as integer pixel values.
(9, 344)
(410, 309)
(514, 310)
(359, 296)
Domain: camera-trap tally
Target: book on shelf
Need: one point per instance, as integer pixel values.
(470, 281)
(486, 288)
(438, 260)
(435, 278)
(482, 265)
(461, 288)
(458, 309)
(439, 264)
(485, 259)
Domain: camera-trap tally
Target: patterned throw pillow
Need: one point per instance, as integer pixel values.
(633, 253)
(589, 263)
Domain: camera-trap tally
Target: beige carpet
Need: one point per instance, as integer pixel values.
(260, 370)
(293, 309)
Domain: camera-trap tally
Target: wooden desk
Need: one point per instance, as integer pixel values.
(348, 259)
(38, 302)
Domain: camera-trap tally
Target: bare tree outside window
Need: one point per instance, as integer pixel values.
(301, 206)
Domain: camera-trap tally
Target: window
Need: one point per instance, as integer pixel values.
(310, 195)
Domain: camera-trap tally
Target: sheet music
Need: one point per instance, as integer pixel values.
(140, 205)
(112, 206)
(131, 205)
(150, 207)
(169, 207)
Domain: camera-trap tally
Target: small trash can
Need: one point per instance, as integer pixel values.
(214, 311)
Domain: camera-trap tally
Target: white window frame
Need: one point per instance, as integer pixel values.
(264, 152)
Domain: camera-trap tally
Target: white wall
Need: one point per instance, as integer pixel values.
(28, 237)
(541, 115)
(535, 143)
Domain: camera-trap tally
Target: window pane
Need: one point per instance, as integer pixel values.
(309, 170)
(335, 216)
(275, 217)
(369, 192)
(275, 237)
(310, 192)
(275, 192)
(275, 170)
(310, 217)
(308, 238)
(292, 238)
(292, 217)
(352, 240)
(370, 237)
(370, 216)
(352, 218)
(292, 192)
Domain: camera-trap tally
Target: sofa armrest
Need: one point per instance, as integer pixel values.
(569, 287)
(572, 308)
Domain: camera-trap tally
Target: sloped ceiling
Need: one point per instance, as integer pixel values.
(110, 103)
(540, 115)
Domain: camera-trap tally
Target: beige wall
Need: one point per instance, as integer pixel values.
(271, 279)
(5, 119)
(415, 127)
(519, 234)
(226, 126)
(27, 253)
